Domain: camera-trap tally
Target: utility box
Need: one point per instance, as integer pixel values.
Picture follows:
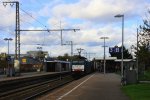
(131, 76)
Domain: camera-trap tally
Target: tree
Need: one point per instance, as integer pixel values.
(143, 53)
(126, 54)
(66, 56)
(3, 60)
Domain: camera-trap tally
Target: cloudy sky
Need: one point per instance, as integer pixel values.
(94, 18)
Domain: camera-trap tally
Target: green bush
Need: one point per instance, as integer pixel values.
(145, 76)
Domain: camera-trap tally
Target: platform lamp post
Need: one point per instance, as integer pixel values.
(121, 16)
(8, 39)
(104, 53)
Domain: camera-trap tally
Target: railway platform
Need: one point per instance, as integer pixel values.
(92, 87)
(24, 75)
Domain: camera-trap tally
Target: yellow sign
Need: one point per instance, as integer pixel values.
(24, 60)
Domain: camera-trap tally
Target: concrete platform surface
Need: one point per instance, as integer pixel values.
(92, 87)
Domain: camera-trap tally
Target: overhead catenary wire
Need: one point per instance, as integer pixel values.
(43, 25)
(33, 17)
(30, 15)
(38, 22)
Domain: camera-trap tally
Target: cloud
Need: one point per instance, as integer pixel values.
(7, 16)
(102, 10)
(94, 18)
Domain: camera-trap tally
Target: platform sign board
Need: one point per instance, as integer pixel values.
(17, 65)
(115, 49)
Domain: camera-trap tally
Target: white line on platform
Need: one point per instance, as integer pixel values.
(74, 88)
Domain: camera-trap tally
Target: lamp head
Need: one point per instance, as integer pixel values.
(119, 15)
(10, 39)
(5, 39)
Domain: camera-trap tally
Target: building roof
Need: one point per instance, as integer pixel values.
(58, 61)
(125, 60)
(106, 58)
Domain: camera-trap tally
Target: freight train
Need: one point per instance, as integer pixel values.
(77, 68)
(81, 68)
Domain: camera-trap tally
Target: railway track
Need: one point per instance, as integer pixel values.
(9, 85)
(35, 90)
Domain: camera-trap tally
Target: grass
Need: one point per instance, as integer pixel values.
(137, 91)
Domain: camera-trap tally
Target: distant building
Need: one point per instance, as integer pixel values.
(110, 63)
(113, 64)
(37, 53)
(32, 61)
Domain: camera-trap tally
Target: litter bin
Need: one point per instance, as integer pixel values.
(131, 77)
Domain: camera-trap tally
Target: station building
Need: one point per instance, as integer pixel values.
(112, 64)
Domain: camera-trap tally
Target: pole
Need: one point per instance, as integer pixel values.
(137, 55)
(8, 47)
(18, 28)
(122, 16)
(104, 54)
(8, 39)
(8, 61)
(71, 45)
(122, 72)
(104, 58)
(79, 51)
(71, 48)
(17, 35)
(61, 37)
